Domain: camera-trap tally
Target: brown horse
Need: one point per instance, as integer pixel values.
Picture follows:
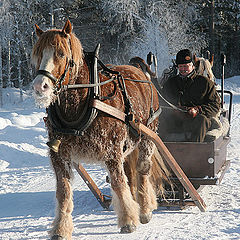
(64, 86)
(141, 64)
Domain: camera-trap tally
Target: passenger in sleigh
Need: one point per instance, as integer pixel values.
(196, 99)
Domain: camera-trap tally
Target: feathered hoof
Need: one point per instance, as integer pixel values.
(57, 237)
(145, 218)
(128, 228)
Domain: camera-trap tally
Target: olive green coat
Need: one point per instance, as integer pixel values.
(191, 91)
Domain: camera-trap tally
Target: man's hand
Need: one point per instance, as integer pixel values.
(194, 111)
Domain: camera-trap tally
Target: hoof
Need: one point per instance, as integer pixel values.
(57, 237)
(145, 218)
(128, 228)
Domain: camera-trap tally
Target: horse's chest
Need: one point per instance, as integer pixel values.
(100, 142)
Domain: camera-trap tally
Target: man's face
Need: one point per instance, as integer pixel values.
(186, 68)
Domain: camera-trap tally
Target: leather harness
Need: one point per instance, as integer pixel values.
(93, 104)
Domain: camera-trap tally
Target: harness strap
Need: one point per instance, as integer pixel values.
(87, 85)
(154, 115)
(109, 110)
(114, 112)
(47, 74)
(105, 68)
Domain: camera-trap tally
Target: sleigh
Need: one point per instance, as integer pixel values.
(197, 165)
(203, 163)
(193, 165)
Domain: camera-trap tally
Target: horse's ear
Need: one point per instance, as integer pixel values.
(38, 30)
(67, 29)
(211, 59)
(195, 58)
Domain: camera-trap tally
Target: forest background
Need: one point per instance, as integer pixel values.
(124, 28)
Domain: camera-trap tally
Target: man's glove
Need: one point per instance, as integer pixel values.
(194, 111)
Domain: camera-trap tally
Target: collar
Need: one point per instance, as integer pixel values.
(191, 75)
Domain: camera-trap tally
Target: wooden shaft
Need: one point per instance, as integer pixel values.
(112, 111)
(172, 163)
(91, 185)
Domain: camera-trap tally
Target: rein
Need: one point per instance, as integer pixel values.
(90, 85)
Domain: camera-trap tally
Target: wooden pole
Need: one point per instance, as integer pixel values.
(172, 163)
(105, 203)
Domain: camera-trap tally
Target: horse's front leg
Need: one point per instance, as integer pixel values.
(146, 195)
(125, 207)
(62, 225)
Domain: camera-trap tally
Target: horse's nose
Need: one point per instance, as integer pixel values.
(41, 86)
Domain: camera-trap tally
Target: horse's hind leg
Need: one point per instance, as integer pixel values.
(62, 225)
(125, 207)
(146, 195)
(131, 172)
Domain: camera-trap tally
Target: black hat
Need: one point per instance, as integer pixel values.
(184, 56)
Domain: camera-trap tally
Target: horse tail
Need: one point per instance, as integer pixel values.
(159, 176)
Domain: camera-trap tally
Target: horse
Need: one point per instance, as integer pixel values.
(89, 113)
(141, 64)
(204, 66)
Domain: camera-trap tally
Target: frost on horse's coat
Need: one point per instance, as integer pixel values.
(107, 140)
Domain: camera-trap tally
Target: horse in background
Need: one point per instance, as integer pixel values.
(141, 64)
(88, 134)
(204, 66)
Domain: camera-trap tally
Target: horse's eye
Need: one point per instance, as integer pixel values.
(60, 54)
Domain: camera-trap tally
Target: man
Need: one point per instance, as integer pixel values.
(195, 95)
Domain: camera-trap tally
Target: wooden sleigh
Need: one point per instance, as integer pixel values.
(193, 165)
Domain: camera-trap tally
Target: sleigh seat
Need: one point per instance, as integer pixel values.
(219, 127)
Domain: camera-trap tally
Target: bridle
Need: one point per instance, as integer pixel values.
(58, 82)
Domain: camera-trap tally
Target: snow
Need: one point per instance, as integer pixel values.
(27, 186)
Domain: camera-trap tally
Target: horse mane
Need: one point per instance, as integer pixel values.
(61, 42)
(204, 67)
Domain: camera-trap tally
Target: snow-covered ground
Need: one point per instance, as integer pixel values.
(27, 187)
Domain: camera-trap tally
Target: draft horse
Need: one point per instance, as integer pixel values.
(92, 135)
(204, 66)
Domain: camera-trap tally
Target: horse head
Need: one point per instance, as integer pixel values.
(141, 64)
(56, 56)
(204, 66)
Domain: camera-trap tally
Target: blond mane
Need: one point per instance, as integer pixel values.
(205, 68)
